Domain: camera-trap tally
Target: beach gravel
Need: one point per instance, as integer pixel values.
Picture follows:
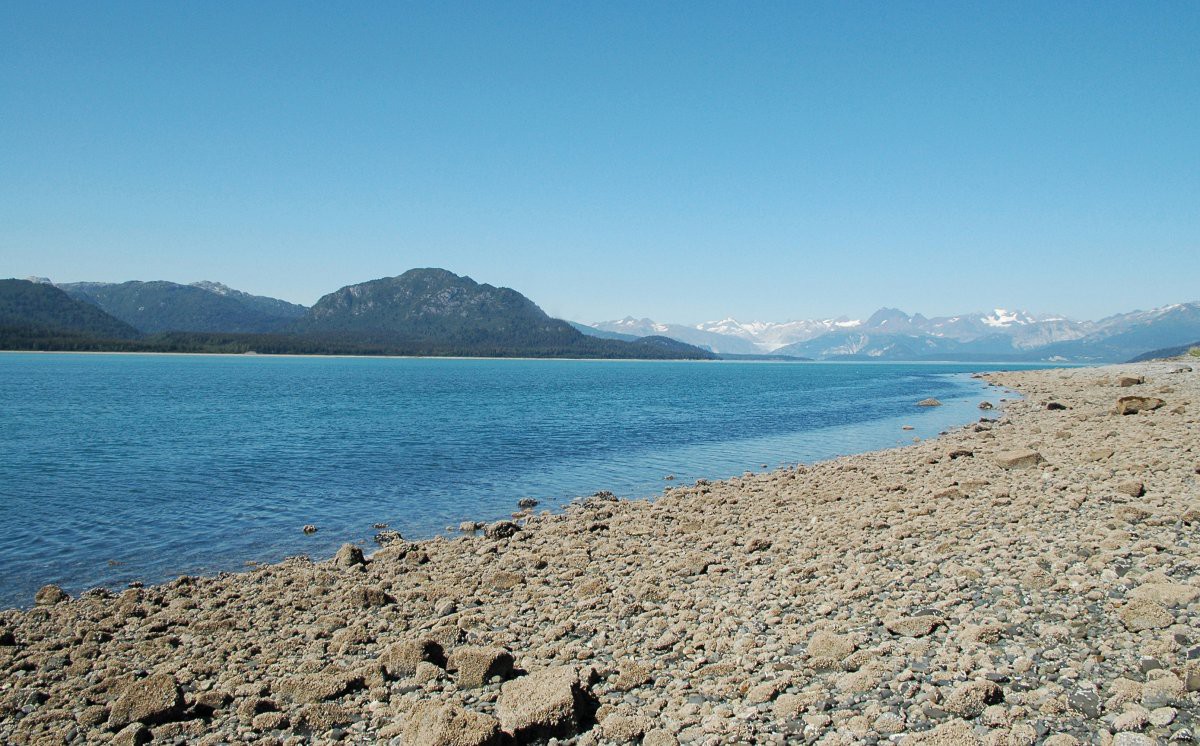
(1033, 578)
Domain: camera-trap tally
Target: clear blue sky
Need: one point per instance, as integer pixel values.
(683, 161)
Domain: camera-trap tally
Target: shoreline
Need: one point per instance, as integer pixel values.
(1021, 363)
(889, 595)
(876, 433)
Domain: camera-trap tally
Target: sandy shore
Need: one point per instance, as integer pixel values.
(1030, 580)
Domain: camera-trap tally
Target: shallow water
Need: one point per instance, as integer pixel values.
(116, 468)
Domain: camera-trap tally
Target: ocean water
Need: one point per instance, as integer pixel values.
(115, 468)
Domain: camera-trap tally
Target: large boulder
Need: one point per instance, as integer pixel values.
(477, 665)
(448, 724)
(501, 530)
(49, 595)
(154, 699)
(544, 704)
(349, 556)
(1020, 458)
(331, 683)
(401, 658)
(1142, 614)
(1135, 404)
(913, 626)
(826, 645)
(1167, 594)
(969, 700)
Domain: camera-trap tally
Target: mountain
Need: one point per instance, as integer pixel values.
(891, 334)
(37, 309)
(768, 336)
(161, 306)
(1167, 352)
(436, 312)
(712, 341)
(1121, 337)
(592, 331)
(1007, 335)
(270, 306)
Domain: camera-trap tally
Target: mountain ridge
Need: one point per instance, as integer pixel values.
(421, 312)
(998, 334)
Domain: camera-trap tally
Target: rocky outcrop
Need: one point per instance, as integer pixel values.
(1135, 404)
(544, 704)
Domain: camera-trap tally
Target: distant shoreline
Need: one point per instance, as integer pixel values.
(798, 361)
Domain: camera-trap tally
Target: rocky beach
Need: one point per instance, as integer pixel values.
(1033, 578)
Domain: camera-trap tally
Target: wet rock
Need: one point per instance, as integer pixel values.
(349, 556)
(447, 724)
(49, 595)
(930, 402)
(1087, 702)
(309, 528)
(986, 405)
(388, 536)
(476, 665)
(527, 503)
(501, 530)
(544, 704)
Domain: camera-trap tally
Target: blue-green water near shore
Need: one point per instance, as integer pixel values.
(116, 468)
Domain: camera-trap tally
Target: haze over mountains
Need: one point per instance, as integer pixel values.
(891, 334)
(435, 312)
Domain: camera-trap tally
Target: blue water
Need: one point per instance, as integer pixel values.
(116, 468)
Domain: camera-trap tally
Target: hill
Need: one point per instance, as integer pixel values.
(161, 306)
(31, 311)
(1168, 352)
(436, 312)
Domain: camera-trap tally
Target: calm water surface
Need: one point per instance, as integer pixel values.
(116, 468)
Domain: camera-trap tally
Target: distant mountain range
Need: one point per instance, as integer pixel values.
(421, 312)
(435, 312)
(891, 334)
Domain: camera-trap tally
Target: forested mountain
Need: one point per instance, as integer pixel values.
(161, 306)
(31, 310)
(422, 312)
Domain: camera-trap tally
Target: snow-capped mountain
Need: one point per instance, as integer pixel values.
(768, 336)
(890, 333)
(693, 335)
